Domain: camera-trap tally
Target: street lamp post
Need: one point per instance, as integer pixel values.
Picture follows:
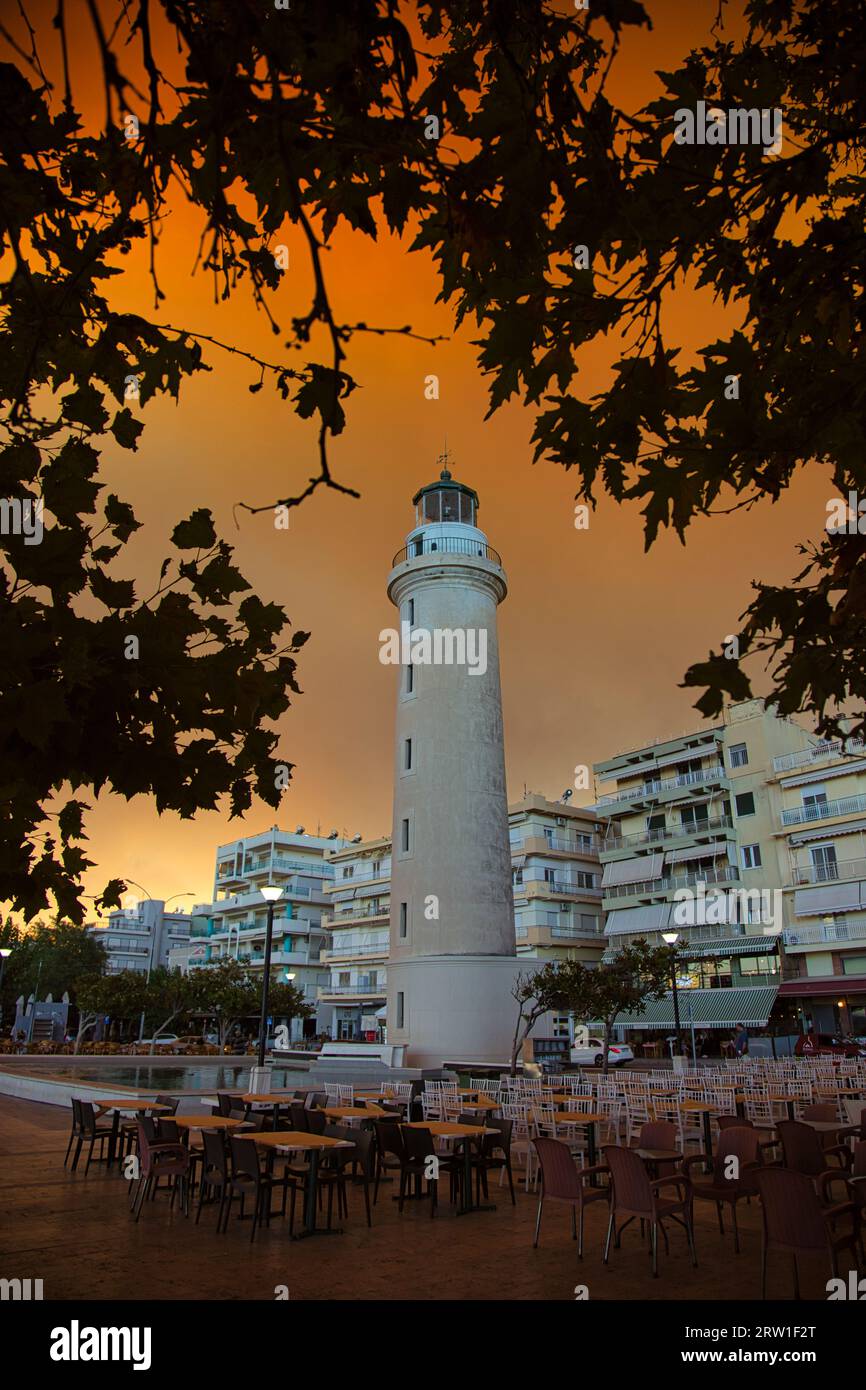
(4, 952)
(270, 893)
(671, 937)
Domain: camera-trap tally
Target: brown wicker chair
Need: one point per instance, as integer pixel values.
(562, 1181)
(636, 1196)
(805, 1151)
(744, 1145)
(795, 1222)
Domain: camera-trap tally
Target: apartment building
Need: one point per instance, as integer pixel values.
(821, 831)
(556, 875)
(557, 907)
(359, 901)
(234, 923)
(691, 815)
(142, 937)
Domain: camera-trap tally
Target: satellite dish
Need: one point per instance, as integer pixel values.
(299, 830)
(334, 835)
(567, 794)
(356, 839)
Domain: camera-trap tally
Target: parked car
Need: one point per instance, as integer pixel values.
(164, 1040)
(828, 1045)
(592, 1055)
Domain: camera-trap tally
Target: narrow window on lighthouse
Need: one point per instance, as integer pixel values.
(410, 678)
(404, 919)
(407, 755)
(411, 614)
(400, 1009)
(405, 836)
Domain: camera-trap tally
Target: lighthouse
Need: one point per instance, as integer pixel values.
(452, 959)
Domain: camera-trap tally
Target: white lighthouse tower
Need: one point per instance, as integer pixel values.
(453, 957)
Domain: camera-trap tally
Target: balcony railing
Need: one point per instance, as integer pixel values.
(330, 919)
(368, 949)
(824, 810)
(350, 880)
(614, 840)
(448, 545)
(843, 871)
(376, 991)
(560, 885)
(729, 874)
(833, 748)
(685, 779)
(828, 933)
(562, 843)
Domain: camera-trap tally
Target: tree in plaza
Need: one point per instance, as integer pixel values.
(120, 997)
(225, 991)
(536, 993)
(484, 134)
(635, 975)
(285, 1001)
(169, 995)
(53, 958)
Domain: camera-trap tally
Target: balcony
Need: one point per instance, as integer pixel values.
(652, 789)
(339, 919)
(335, 885)
(842, 872)
(359, 991)
(545, 887)
(559, 844)
(828, 934)
(833, 748)
(368, 949)
(668, 832)
(824, 810)
(448, 545)
(650, 887)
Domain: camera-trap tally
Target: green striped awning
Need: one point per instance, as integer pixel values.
(728, 946)
(710, 1008)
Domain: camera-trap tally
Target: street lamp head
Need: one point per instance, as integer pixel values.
(5, 951)
(671, 937)
(290, 975)
(272, 891)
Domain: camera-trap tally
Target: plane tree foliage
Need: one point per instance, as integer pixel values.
(484, 134)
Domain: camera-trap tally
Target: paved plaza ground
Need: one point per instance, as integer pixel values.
(76, 1234)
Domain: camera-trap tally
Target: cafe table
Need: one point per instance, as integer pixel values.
(481, 1102)
(207, 1122)
(130, 1105)
(276, 1099)
(462, 1134)
(706, 1111)
(653, 1157)
(355, 1112)
(588, 1119)
(297, 1141)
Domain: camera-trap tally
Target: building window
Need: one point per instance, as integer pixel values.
(404, 836)
(816, 797)
(738, 755)
(410, 678)
(400, 1008)
(407, 754)
(758, 965)
(376, 867)
(745, 804)
(344, 977)
(404, 919)
(348, 871)
(588, 923)
(516, 876)
(751, 856)
(824, 865)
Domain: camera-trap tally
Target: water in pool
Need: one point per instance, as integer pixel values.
(200, 1077)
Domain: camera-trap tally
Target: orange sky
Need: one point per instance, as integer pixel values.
(595, 636)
